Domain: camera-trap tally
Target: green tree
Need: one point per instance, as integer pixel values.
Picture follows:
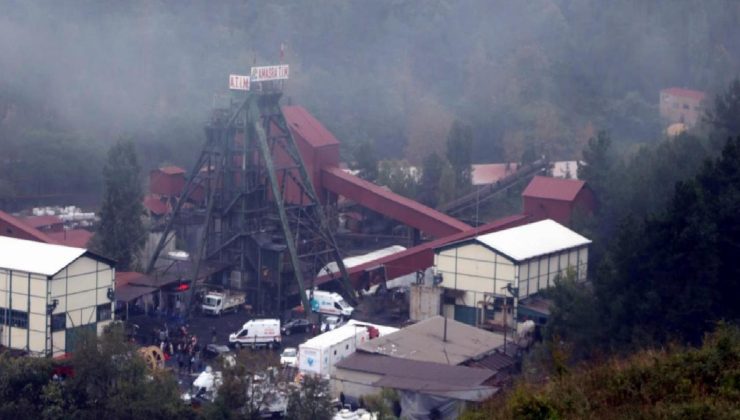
(121, 233)
(311, 401)
(459, 154)
(446, 190)
(431, 173)
(366, 160)
(597, 163)
(22, 381)
(725, 116)
(239, 395)
(112, 380)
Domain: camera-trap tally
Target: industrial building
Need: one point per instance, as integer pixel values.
(481, 274)
(558, 199)
(51, 293)
(680, 105)
(436, 366)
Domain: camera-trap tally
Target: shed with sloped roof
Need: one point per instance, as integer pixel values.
(557, 199)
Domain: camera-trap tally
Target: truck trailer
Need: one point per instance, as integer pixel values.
(318, 355)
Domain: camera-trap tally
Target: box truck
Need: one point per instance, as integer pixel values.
(319, 354)
(257, 333)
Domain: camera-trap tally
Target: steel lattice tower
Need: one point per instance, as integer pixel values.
(259, 204)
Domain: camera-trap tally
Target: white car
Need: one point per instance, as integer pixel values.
(289, 357)
(331, 322)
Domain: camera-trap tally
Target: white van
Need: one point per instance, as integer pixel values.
(329, 303)
(257, 333)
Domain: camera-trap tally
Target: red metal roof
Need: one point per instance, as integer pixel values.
(302, 123)
(41, 221)
(389, 204)
(553, 188)
(421, 256)
(172, 170)
(30, 232)
(77, 238)
(155, 205)
(686, 93)
(488, 173)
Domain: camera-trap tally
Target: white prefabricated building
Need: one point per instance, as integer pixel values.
(525, 258)
(50, 293)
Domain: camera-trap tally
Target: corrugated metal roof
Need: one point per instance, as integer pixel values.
(534, 239)
(172, 170)
(304, 124)
(78, 238)
(683, 92)
(41, 221)
(424, 341)
(36, 257)
(26, 229)
(488, 173)
(495, 361)
(129, 292)
(416, 375)
(553, 188)
(155, 205)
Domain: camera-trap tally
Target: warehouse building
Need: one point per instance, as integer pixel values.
(51, 293)
(483, 274)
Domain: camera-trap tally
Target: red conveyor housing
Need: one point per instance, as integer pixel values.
(390, 204)
(419, 257)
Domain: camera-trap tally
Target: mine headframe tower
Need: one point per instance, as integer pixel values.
(262, 214)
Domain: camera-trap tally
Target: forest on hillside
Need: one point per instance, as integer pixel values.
(543, 75)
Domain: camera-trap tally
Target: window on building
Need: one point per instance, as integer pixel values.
(58, 322)
(19, 319)
(104, 312)
(3, 320)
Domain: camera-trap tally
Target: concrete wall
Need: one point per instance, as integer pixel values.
(353, 384)
(424, 302)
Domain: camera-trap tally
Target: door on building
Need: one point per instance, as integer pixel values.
(73, 336)
(465, 314)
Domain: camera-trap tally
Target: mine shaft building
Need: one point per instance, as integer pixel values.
(49, 294)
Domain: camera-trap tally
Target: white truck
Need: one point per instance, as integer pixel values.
(257, 333)
(329, 303)
(319, 354)
(218, 302)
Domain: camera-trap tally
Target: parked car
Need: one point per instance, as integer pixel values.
(331, 322)
(289, 357)
(214, 350)
(296, 325)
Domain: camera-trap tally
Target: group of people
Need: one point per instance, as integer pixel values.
(183, 347)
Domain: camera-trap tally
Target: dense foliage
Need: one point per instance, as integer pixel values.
(540, 75)
(121, 233)
(675, 383)
(110, 381)
(663, 262)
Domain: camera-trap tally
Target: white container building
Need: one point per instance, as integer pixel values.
(50, 293)
(524, 260)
